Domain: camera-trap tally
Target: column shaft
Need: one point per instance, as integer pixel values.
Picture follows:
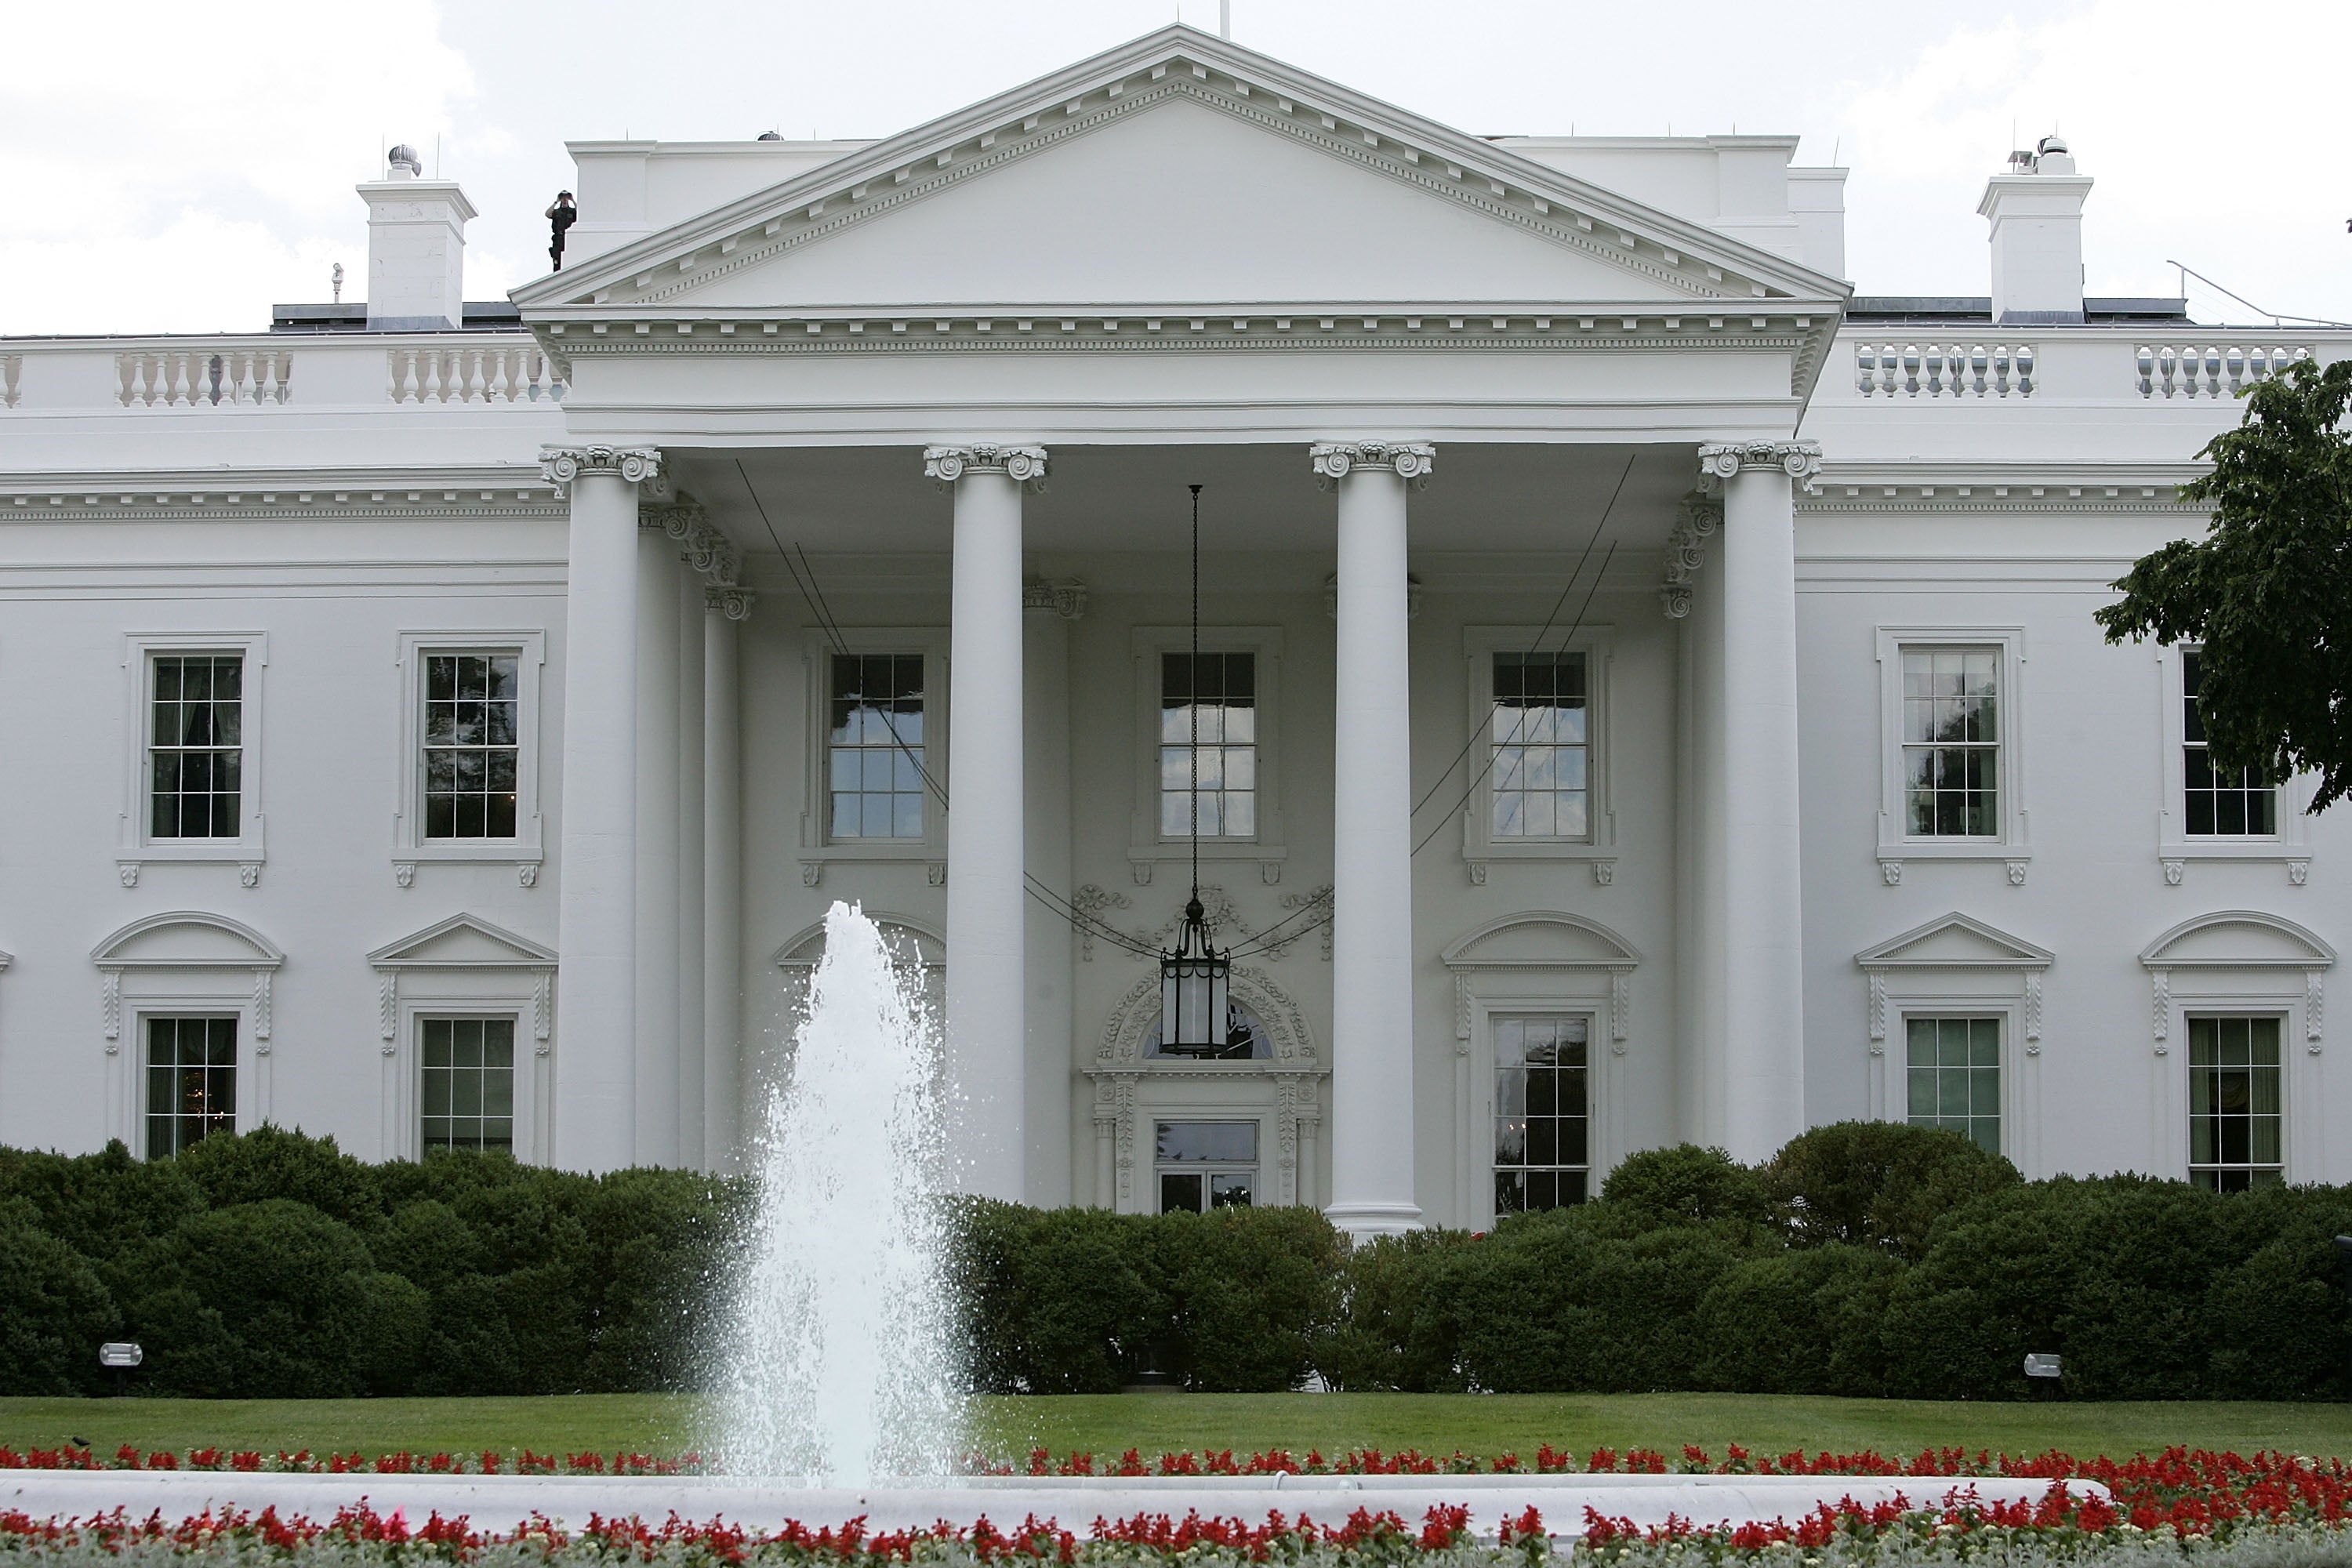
(692, 749)
(1045, 702)
(1755, 788)
(987, 981)
(658, 801)
(1372, 952)
(594, 1060)
(722, 890)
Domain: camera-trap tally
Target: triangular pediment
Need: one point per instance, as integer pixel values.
(463, 941)
(1180, 170)
(2239, 938)
(1956, 941)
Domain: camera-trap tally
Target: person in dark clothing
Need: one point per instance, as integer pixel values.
(559, 217)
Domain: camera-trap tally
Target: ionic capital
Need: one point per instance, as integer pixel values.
(1021, 465)
(1410, 460)
(635, 465)
(1066, 596)
(728, 600)
(1800, 460)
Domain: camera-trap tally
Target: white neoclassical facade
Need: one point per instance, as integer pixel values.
(1646, 690)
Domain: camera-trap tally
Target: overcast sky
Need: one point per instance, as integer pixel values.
(169, 166)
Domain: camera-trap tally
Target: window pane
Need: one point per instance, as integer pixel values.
(1953, 1076)
(1210, 700)
(1541, 1131)
(2236, 1118)
(875, 771)
(1537, 762)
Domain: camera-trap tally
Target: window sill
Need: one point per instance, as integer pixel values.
(474, 852)
(1953, 849)
(2219, 848)
(1268, 856)
(197, 852)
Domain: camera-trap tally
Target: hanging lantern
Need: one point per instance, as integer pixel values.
(1195, 991)
(1195, 979)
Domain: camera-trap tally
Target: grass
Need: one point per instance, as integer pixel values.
(1105, 1425)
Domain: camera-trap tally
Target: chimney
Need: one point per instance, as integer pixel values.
(2036, 212)
(417, 248)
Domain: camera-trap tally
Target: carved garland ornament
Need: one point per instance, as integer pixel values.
(1687, 552)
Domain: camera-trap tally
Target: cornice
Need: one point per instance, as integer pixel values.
(2069, 488)
(322, 494)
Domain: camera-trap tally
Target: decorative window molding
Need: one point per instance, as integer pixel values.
(1598, 844)
(1958, 967)
(463, 967)
(527, 848)
(1281, 1091)
(2240, 961)
(2012, 844)
(1147, 846)
(247, 850)
(182, 963)
(2175, 846)
(817, 849)
(1538, 961)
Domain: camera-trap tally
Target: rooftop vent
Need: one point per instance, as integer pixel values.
(402, 164)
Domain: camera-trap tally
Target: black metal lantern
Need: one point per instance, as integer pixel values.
(1195, 979)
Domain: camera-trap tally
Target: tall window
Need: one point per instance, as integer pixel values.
(1541, 749)
(1542, 1155)
(467, 1090)
(196, 751)
(472, 744)
(1205, 1165)
(2236, 804)
(2235, 1127)
(191, 1081)
(1223, 688)
(1951, 742)
(1954, 1077)
(877, 746)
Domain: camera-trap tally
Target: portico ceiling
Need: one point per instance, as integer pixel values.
(1257, 499)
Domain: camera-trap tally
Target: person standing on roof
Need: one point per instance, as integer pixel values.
(559, 217)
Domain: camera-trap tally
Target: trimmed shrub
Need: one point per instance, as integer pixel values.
(1879, 1184)
(1687, 1184)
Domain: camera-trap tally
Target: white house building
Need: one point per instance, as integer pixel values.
(1648, 690)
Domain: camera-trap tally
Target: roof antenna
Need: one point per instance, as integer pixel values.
(1225, 19)
(337, 279)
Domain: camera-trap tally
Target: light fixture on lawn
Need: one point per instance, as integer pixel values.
(1195, 979)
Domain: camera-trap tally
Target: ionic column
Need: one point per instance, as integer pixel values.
(594, 1061)
(987, 1032)
(1371, 830)
(658, 738)
(1753, 786)
(1048, 608)
(722, 878)
(693, 746)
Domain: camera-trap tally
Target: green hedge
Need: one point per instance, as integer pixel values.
(1865, 1259)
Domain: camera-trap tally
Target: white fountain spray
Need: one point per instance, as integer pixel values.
(844, 1361)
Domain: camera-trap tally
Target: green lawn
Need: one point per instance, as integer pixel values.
(1105, 1425)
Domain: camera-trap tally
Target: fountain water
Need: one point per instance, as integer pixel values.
(844, 1361)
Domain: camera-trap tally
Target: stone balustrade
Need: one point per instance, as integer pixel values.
(2211, 369)
(204, 378)
(1943, 370)
(494, 372)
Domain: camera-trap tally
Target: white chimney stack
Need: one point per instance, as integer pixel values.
(2036, 212)
(417, 248)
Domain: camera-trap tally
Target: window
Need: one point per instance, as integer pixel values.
(1954, 1066)
(875, 758)
(2235, 1128)
(472, 744)
(1219, 689)
(1205, 1165)
(196, 746)
(2218, 804)
(1538, 743)
(1951, 742)
(191, 1081)
(1245, 1040)
(1541, 1111)
(468, 1082)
